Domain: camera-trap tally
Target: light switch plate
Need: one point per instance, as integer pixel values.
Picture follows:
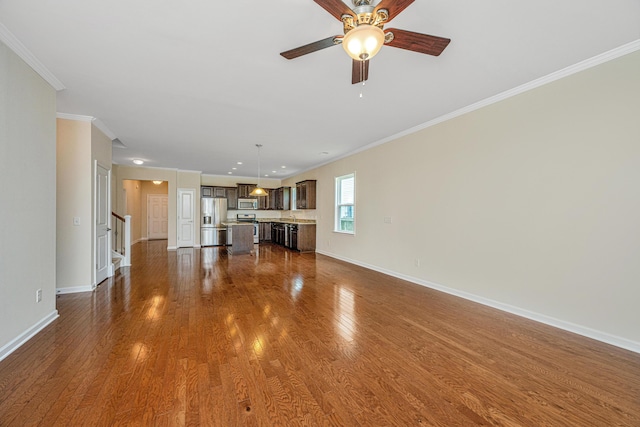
(76, 220)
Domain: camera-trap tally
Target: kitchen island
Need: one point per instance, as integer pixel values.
(242, 237)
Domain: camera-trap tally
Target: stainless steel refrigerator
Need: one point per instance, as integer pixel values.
(213, 213)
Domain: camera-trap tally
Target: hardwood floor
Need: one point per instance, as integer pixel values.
(201, 337)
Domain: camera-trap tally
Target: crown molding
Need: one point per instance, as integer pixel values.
(25, 54)
(97, 122)
(104, 129)
(76, 117)
(610, 55)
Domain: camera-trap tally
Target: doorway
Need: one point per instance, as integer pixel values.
(157, 216)
(186, 217)
(103, 216)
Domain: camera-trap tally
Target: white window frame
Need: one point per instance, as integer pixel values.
(338, 205)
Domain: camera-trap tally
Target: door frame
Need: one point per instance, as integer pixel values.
(179, 241)
(94, 224)
(149, 197)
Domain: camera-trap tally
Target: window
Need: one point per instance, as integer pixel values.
(345, 203)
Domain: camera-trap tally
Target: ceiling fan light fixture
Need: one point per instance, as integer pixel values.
(363, 42)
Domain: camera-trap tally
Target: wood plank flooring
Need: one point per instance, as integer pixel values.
(203, 338)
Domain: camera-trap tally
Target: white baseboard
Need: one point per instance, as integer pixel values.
(172, 248)
(14, 344)
(551, 321)
(74, 289)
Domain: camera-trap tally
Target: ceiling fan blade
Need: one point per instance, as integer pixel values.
(422, 43)
(311, 47)
(393, 6)
(359, 71)
(336, 8)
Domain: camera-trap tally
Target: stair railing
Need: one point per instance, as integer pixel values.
(121, 228)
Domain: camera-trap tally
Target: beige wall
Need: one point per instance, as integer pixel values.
(28, 201)
(530, 204)
(74, 189)
(132, 194)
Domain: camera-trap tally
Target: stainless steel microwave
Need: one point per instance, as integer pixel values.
(247, 203)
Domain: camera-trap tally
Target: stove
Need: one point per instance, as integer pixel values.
(250, 218)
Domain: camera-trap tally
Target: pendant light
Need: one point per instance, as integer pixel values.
(258, 191)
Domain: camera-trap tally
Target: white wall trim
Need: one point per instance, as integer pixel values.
(14, 344)
(97, 122)
(25, 54)
(549, 78)
(74, 289)
(76, 117)
(551, 321)
(172, 248)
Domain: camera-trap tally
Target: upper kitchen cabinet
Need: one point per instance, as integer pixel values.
(264, 202)
(232, 198)
(280, 199)
(220, 191)
(306, 194)
(206, 191)
(244, 191)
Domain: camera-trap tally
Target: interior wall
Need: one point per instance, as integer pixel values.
(132, 192)
(28, 207)
(74, 188)
(530, 204)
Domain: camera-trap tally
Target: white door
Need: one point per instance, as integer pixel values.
(157, 216)
(186, 217)
(103, 216)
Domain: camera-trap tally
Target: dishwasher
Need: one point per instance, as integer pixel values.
(293, 236)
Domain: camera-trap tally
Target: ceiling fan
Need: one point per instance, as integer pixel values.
(364, 36)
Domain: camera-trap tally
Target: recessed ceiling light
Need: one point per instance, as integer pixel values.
(229, 173)
(283, 167)
(239, 163)
(266, 174)
(234, 168)
(138, 161)
(274, 172)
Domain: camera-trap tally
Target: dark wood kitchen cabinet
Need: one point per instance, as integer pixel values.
(206, 191)
(280, 199)
(244, 191)
(306, 194)
(265, 201)
(219, 191)
(306, 238)
(265, 231)
(232, 198)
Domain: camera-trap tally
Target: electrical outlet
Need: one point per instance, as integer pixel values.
(39, 295)
(387, 220)
(76, 220)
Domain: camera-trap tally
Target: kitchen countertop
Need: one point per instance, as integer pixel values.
(287, 220)
(230, 223)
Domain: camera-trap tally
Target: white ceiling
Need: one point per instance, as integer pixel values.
(196, 84)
